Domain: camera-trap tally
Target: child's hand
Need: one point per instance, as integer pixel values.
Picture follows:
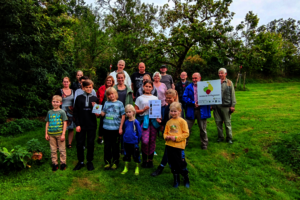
(161, 128)
(173, 138)
(102, 113)
(167, 138)
(62, 138)
(120, 131)
(78, 129)
(93, 104)
(158, 120)
(47, 137)
(97, 115)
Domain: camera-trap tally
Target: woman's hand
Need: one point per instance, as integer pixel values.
(78, 129)
(146, 108)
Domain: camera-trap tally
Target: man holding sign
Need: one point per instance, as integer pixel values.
(194, 111)
(222, 113)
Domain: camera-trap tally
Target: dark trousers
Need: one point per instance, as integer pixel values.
(176, 159)
(132, 150)
(145, 156)
(111, 146)
(80, 138)
(101, 130)
(164, 160)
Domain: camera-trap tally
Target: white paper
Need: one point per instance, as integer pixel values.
(209, 92)
(97, 109)
(155, 109)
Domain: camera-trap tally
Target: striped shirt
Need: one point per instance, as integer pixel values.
(113, 114)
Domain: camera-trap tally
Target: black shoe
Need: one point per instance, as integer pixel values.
(186, 181)
(158, 171)
(63, 166)
(150, 164)
(144, 164)
(54, 167)
(90, 166)
(99, 141)
(176, 180)
(220, 140)
(78, 166)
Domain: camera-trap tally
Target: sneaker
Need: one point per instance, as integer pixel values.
(155, 153)
(78, 166)
(99, 141)
(54, 167)
(63, 166)
(114, 167)
(90, 166)
(83, 147)
(230, 141)
(107, 167)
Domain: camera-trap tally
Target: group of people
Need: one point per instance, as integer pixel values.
(124, 124)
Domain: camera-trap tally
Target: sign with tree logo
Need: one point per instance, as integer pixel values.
(209, 92)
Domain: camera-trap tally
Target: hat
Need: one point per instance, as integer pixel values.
(163, 66)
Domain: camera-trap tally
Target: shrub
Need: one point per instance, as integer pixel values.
(34, 145)
(287, 151)
(17, 158)
(19, 126)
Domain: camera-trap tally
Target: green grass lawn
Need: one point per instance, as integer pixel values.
(243, 170)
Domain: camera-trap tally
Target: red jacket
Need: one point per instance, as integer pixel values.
(100, 93)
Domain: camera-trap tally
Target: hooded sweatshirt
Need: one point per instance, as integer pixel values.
(83, 111)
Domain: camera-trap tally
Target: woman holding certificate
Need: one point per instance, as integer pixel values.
(149, 126)
(161, 91)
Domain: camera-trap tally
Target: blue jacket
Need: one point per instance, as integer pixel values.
(132, 132)
(188, 99)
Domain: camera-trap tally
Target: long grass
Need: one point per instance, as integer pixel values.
(243, 170)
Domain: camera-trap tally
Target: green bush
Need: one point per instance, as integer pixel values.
(287, 151)
(19, 126)
(17, 158)
(34, 145)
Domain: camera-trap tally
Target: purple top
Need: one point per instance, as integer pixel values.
(161, 90)
(195, 93)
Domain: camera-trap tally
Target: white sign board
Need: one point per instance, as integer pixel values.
(209, 92)
(97, 109)
(155, 109)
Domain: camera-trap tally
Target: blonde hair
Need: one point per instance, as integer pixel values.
(130, 107)
(173, 93)
(122, 73)
(177, 106)
(111, 90)
(147, 75)
(57, 97)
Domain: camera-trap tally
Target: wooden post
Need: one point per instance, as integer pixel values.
(244, 80)
(237, 79)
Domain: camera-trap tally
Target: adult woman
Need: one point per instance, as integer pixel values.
(161, 90)
(109, 82)
(76, 85)
(67, 95)
(125, 96)
(149, 126)
(140, 91)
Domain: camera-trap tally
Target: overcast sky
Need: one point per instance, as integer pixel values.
(267, 10)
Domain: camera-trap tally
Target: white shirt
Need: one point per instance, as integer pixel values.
(127, 80)
(143, 101)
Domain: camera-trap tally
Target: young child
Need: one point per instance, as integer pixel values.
(55, 132)
(113, 121)
(86, 125)
(132, 136)
(176, 132)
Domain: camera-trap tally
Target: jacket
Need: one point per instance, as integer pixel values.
(188, 99)
(132, 132)
(128, 99)
(180, 90)
(83, 112)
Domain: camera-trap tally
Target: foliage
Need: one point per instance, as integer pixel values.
(17, 158)
(19, 126)
(34, 145)
(287, 151)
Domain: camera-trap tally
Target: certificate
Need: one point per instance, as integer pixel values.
(97, 109)
(155, 109)
(209, 92)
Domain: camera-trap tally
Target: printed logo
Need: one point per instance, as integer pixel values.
(208, 89)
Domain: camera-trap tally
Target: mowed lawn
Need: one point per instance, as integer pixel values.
(243, 170)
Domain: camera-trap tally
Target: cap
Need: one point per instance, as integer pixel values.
(163, 66)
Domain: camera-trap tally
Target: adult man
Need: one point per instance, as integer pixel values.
(194, 111)
(180, 87)
(222, 113)
(137, 78)
(121, 66)
(166, 78)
